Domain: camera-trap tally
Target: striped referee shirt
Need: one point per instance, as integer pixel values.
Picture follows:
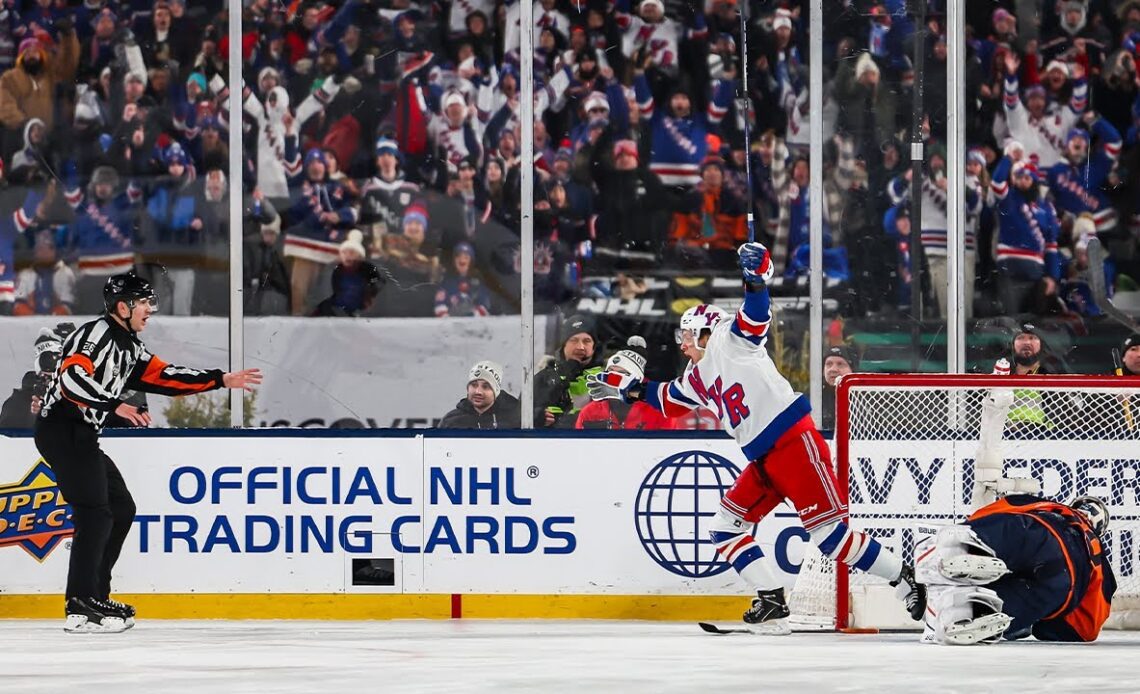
(100, 361)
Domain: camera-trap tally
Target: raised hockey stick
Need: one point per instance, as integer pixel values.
(744, 109)
(1100, 290)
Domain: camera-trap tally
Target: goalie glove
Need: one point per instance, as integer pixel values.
(755, 262)
(613, 385)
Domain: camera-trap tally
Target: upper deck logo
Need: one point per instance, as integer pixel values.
(33, 513)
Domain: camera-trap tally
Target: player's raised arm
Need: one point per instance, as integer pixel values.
(755, 314)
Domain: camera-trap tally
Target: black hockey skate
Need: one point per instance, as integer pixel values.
(769, 612)
(911, 592)
(94, 616)
(127, 611)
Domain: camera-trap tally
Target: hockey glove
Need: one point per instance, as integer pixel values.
(613, 385)
(756, 262)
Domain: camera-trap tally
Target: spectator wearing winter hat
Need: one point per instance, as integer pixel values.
(1076, 36)
(838, 362)
(1031, 409)
(451, 132)
(20, 409)
(1027, 353)
(615, 414)
(1042, 134)
(412, 262)
(1130, 355)
(355, 281)
(486, 406)
(386, 195)
(560, 385)
(265, 278)
(1028, 230)
(98, 50)
(47, 286)
(320, 209)
(650, 33)
(28, 90)
(461, 292)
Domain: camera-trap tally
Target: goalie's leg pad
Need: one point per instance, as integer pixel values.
(964, 616)
(837, 541)
(730, 533)
(955, 555)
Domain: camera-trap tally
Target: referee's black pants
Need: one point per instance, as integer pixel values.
(102, 507)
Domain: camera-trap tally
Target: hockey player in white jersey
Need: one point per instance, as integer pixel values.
(731, 373)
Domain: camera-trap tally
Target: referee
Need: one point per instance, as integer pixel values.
(99, 361)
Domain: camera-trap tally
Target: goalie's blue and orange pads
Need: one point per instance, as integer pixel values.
(1061, 585)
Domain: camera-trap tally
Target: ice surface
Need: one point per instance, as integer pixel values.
(270, 657)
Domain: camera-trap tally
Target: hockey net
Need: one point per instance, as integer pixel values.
(907, 448)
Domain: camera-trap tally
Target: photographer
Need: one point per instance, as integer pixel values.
(20, 409)
(560, 386)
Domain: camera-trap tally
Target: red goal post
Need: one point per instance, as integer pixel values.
(907, 446)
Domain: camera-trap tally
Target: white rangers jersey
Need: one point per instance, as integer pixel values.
(1043, 138)
(738, 381)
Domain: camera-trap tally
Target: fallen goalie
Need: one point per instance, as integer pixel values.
(1018, 566)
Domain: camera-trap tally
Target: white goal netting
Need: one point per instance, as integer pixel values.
(910, 449)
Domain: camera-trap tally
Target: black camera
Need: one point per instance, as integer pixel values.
(37, 383)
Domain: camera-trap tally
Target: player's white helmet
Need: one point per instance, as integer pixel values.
(698, 318)
(1095, 510)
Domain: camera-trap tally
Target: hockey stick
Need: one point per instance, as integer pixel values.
(1118, 369)
(744, 108)
(1100, 290)
(767, 629)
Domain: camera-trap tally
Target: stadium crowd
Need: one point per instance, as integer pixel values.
(381, 151)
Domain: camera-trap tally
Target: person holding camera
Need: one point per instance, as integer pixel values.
(20, 409)
(560, 386)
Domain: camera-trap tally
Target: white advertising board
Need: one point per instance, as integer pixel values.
(274, 514)
(897, 484)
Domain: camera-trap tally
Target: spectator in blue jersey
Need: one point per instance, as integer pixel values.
(104, 234)
(1027, 232)
(678, 135)
(461, 293)
(319, 210)
(355, 281)
(1078, 182)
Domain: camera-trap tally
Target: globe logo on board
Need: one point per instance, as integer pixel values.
(675, 504)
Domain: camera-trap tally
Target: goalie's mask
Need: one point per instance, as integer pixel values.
(128, 288)
(1095, 510)
(698, 319)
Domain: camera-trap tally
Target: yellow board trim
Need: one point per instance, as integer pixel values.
(420, 606)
